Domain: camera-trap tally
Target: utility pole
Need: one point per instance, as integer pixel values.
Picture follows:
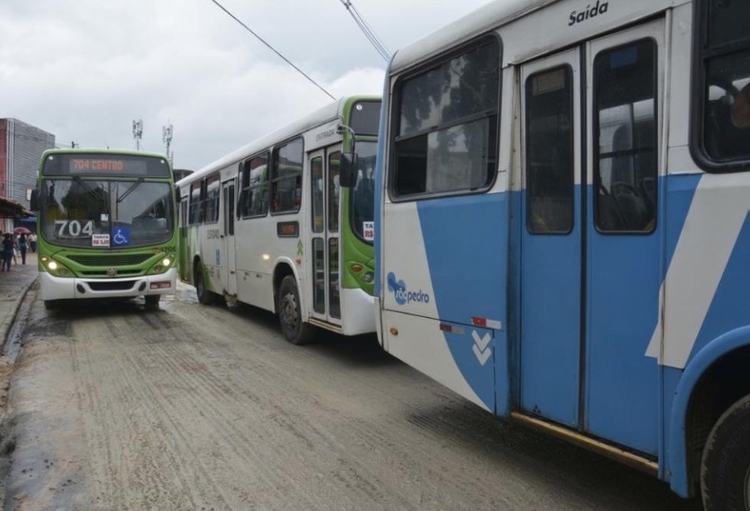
(138, 133)
(166, 137)
(73, 145)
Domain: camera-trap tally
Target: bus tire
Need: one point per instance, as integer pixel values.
(725, 465)
(290, 316)
(205, 297)
(51, 304)
(152, 300)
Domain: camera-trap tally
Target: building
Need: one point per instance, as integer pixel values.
(21, 148)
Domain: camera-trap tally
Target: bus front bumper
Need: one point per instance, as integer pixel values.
(61, 288)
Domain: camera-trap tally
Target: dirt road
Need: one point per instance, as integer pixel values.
(115, 407)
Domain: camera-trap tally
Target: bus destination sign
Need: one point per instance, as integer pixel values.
(106, 166)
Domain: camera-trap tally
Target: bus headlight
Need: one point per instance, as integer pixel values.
(367, 277)
(161, 266)
(55, 268)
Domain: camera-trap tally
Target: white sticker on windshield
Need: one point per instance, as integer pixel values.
(368, 230)
(104, 217)
(100, 240)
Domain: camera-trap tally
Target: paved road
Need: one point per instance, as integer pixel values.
(116, 407)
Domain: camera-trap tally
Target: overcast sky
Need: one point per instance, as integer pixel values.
(83, 70)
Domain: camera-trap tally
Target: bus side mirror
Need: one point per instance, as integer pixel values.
(177, 196)
(34, 201)
(348, 170)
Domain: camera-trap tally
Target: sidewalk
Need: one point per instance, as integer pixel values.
(13, 287)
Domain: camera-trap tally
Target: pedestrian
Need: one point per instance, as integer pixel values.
(32, 242)
(14, 239)
(23, 245)
(7, 252)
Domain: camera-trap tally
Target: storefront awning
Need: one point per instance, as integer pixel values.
(12, 209)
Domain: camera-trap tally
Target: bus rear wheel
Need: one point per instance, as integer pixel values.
(205, 296)
(725, 466)
(290, 314)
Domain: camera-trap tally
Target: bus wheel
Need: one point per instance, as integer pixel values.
(152, 300)
(290, 315)
(204, 295)
(725, 467)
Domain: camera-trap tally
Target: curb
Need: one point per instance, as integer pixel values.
(7, 326)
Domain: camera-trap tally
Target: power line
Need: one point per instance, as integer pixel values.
(367, 30)
(272, 48)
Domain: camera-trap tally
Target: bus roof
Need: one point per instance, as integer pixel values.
(531, 28)
(323, 115)
(484, 19)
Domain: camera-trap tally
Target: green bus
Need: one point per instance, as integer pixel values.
(269, 225)
(106, 225)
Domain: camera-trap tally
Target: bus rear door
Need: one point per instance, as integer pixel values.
(228, 273)
(591, 242)
(325, 219)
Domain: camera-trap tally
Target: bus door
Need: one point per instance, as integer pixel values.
(228, 209)
(591, 266)
(325, 219)
(551, 238)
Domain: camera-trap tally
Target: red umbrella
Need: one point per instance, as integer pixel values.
(21, 230)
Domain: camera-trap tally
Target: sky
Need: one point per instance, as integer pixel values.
(84, 70)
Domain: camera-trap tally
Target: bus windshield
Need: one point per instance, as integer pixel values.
(96, 213)
(362, 195)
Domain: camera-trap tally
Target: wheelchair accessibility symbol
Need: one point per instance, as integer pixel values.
(121, 237)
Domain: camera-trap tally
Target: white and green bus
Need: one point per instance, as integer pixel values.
(270, 226)
(106, 225)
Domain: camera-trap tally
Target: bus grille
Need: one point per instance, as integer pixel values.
(110, 260)
(112, 286)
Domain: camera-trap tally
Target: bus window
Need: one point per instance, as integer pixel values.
(363, 194)
(254, 198)
(195, 203)
(447, 128)
(212, 199)
(625, 138)
(286, 177)
(333, 191)
(723, 60)
(549, 152)
(316, 166)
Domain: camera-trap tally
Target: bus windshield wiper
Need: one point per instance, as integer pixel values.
(98, 195)
(130, 190)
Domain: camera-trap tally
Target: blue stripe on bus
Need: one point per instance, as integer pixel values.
(623, 281)
(680, 192)
(470, 229)
(549, 319)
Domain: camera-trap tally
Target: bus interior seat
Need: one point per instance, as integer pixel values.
(626, 171)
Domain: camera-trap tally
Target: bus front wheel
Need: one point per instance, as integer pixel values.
(152, 300)
(51, 304)
(205, 296)
(290, 314)
(725, 466)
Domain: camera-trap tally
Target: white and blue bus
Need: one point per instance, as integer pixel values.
(562, 234)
